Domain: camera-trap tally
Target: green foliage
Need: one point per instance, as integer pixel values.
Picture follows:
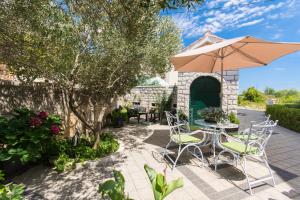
(287, 96)
(118, 116)
(161, 189)
(164, 103)
(233, 118)
(174, 4)
(182, 115)
(64, 163)
(269, 91)
(69, 154)
(10, 191)
(212, 114)
(287, 117)
(27, 135)
(253, 95)
(114, 189)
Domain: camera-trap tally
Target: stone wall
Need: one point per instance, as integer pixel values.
(230, 89)
(147, 95)
(38, 97)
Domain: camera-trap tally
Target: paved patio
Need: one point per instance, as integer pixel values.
(142, 144)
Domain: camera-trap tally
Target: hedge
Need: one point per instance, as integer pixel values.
(287, 117)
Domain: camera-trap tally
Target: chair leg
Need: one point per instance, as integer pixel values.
(244, 166)
(178, 155)
(265, 159)
(195, 154)
(166, 148)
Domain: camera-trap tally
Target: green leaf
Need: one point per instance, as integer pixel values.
(4, 156)
(173, 185)
(150, 172)
(107, 188)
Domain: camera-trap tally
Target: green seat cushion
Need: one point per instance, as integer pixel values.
(239, 147)
(244, 137)
(184, 138)
(194, 128)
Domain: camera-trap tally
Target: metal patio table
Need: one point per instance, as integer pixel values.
(214, 134)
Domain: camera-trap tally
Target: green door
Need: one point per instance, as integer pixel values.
(204, 92)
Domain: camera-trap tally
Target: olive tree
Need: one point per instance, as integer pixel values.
(93, 50)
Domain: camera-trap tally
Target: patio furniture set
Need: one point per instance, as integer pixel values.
(240, 146)
(150, 115)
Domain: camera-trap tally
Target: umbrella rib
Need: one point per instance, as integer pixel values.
(249, 56)
(214, 63)
(236, 49)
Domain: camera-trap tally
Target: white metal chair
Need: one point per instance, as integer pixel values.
(255, 127)
(180, 135)
(241, 150)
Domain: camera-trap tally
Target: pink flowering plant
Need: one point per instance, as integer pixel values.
(27, 135)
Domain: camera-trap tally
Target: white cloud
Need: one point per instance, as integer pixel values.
(219, 15)
(250, 23)
(276, 36)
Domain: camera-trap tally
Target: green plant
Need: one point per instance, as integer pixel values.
(182, 115)
(118, 116)
(114, 189)
(212, 114)
(64, 163)
(10, 191)
(27, 135)
(160, 187)
(253, 95)
(233, 118)
(287, 117)
(69, 155)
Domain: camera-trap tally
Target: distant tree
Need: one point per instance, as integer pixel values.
(93, 50)
(269, 91)
(253, 95)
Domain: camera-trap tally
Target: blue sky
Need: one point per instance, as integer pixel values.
(274, 20)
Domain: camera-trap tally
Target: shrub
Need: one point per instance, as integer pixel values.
(233, 118)
(118, 116)
(182, 115)
(253, 95)
(287, 117)
(10, 191)
(64, 163)
(69, 154)
(27, 135)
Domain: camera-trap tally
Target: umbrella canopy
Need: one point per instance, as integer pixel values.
(233, 54)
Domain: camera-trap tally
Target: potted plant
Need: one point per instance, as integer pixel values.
(212, 114)
(118, 116)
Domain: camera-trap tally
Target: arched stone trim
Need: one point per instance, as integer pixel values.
(230, 88)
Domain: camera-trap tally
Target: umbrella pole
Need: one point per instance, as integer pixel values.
(222, 74)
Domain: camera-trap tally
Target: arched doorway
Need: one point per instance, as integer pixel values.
(204, 92)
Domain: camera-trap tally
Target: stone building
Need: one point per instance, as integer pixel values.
(193, 91)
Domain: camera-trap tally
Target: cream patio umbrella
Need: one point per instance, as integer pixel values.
(232, 54)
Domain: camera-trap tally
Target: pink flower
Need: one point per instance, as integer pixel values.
(35, 121)
(43, 115)
(54, 129)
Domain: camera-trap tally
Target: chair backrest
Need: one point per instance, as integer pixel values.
(173, 124)
(263, 133)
